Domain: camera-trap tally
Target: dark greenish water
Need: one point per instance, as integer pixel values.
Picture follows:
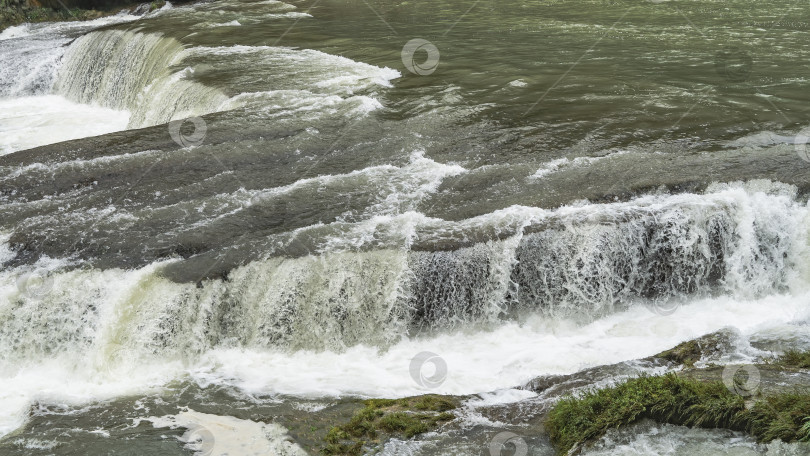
(224, 222)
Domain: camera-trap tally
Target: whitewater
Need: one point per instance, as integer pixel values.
(223, 223)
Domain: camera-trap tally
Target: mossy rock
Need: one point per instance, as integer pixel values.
(384, 418)
(704, 347)
(795, 358)
(774, 379)
(16, 16)
(12, 13)
(575, 421)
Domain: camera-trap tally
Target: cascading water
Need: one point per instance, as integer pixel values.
(580, 262)
(29, 69)
(131, 71)
(142, 77)
(343, 213)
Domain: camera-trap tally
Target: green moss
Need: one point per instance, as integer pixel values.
(18, 14)
(391, 417)
(15, 16)
(686, 353)
(408, 424)
(355, 449)
(795, 358)
(804, 431)
(382, 403)
(670, 399)
(434, 403)
(784, 416)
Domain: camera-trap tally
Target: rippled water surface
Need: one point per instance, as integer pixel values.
(259, 209)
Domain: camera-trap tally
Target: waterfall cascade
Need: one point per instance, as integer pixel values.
(583, 262)
(134, 71)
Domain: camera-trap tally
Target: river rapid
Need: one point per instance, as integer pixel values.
(218, 216)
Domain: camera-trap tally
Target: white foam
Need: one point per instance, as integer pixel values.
(112, 350)
(60, 381)
(503, 396)
(561, 163)
(6, 254)
(762, 138)
(477, 361)
(301, 104)
(485, 361)
(15, 31)
(288, 15)
(233, 23)
(36, 121)
(216, 435)
(402, 187)
(68, 377)
(550, 167)
(48, 28)
(131, 72)
(652, 439)
(344, 76)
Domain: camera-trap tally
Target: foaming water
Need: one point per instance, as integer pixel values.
(48, 28)
(35, 121)
(323, 83)
(476, 360)
(562, 163)
(148, 75)
(130, 70)
(300, 251)
(581, 262)
(652, 439)
(28, 66)
(489, 360)
(307, 326)
(224, 435)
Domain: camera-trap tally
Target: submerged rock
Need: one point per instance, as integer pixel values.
(710, 347)
(768, 401)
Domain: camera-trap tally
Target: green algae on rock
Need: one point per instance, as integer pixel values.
(15, 12)
(795, 358)
(577, 420)
(406, 417)
(694, 350)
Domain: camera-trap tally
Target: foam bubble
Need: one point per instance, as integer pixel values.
(225, 435)
(36, 121)
(490, 360)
